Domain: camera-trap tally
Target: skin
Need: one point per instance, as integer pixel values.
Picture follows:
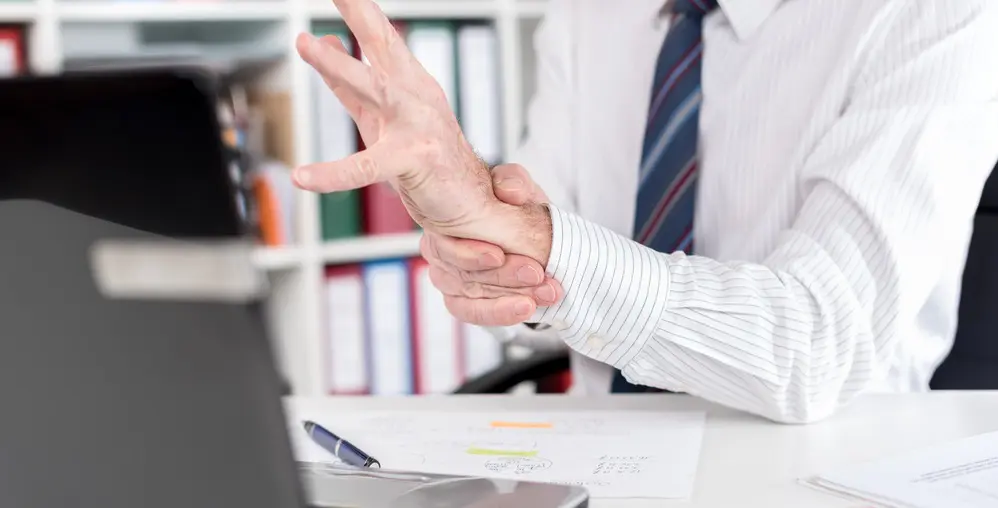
(470, 289)
(494, 276)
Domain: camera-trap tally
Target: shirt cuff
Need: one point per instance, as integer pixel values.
(615, 290)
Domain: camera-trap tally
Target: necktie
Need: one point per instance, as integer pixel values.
(663, 219)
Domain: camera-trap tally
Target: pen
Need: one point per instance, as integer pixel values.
(339, 447)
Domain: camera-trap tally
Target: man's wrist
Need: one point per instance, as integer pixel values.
(525, 230)
(540, 232)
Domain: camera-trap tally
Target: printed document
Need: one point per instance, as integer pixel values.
(624, 454)
(960, 474)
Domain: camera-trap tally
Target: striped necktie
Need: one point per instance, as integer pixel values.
(663, 219)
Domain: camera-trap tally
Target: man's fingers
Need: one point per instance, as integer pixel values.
(334, 42)
(376, 35)
(338, 68)
(505, 311)
(461, 253)
(370, 166)
(454, 284)
(484, 263)
(450, 284)
(512, 184)
(517, 272)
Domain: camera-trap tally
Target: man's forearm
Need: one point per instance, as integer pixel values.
(738, 334)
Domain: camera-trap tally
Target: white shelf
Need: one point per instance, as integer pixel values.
(171, 11)
(278, 258)
(18, 12)
(531, 9)
(348, 250)
(370, 248)
(416, 9)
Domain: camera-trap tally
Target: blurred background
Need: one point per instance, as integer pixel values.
(351, 309)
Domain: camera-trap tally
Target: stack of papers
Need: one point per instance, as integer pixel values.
(961, 474)
(626, 454)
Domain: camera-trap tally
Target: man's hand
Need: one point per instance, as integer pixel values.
(413, 140)
(483, 285)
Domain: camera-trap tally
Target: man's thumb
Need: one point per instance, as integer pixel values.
(513, 185)
(358, 170)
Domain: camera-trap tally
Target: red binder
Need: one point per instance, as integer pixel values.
(12, 54)
(383, 211)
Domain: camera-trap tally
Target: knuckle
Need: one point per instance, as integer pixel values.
(465, 276)
(424, 248)
(479, 313)
(494, 277)
(432, 248)
(379, 82)
(472, 289)
(429, 149)
(366, 169)
(439, 249)
(446, 250)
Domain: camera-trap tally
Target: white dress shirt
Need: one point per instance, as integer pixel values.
(843, 150)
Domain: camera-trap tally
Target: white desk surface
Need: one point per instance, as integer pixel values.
(745, 460)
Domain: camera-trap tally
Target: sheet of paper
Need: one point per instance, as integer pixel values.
(960, 474)
(626, 454)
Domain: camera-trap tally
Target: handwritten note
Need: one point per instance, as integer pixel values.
(624, 454)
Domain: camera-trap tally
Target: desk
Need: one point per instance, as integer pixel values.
(745, 460)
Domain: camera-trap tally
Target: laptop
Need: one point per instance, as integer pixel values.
(114, 395)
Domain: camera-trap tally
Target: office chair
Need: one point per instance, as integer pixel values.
(549, 370)
(971, 365)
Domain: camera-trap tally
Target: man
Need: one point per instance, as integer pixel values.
(838, 151)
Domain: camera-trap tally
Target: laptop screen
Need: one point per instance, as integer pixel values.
(135, 149)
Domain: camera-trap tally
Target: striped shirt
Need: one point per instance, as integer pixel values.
(843, 150)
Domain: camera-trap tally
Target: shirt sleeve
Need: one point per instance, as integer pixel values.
(890, 192)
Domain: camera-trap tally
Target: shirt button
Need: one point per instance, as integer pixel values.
(595, 341)
(559, 324)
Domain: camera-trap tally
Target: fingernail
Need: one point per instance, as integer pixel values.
(489, 260)
(546, 293)
(303, 176)
(313, 42)
(509, 184)
(528, 275)
(522, 308)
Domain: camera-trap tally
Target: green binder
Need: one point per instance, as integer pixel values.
(340, 214)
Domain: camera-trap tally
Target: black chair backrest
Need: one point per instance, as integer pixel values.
(973, 362)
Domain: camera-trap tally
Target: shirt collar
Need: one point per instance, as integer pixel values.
(747, 16)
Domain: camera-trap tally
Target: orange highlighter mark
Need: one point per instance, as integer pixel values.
(522, 425)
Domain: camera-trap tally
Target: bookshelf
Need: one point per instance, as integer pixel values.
(17, 12)
(71, 10)
(295, 306)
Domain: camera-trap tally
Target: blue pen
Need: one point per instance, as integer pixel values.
(339, 447)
